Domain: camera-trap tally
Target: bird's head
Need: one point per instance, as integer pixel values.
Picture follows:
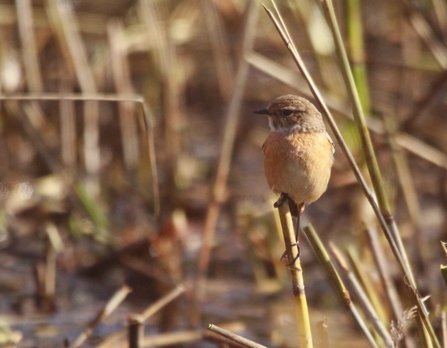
(290, 113)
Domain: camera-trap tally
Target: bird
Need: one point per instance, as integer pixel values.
(298, 152)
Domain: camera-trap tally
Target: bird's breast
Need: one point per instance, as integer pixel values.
(298, 164)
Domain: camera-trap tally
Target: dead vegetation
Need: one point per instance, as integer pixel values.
(134, 210)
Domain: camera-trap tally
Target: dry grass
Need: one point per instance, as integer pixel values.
(127, 132)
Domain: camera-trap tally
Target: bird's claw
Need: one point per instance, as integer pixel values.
(282, 198)
(284, 255)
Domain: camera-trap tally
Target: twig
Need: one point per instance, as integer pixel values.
(152, 309)
(136, 328)
(111, 305)
(236, 338)
(220, 340)
(172, 338)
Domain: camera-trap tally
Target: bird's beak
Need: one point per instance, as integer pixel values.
(262, 112)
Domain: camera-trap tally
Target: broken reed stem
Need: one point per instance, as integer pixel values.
(337, 282)
(110, 306)
(233, 337)
(219, 340)
(292, 252)
(135, 330)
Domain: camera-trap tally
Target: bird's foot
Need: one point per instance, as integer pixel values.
(282, 198)
(284, 255)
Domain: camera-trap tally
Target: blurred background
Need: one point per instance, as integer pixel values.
(108, 191)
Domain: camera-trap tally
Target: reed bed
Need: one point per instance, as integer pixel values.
(134, 211)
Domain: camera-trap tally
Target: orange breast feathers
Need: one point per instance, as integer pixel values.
(298, 164)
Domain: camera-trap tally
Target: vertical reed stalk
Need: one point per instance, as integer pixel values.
(292, 252)
(229, 134)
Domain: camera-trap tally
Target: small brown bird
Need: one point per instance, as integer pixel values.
(298, 152)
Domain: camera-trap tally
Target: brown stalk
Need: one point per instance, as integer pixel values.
(233, 337)
(219, 47)
(54, 247)
(136, 321)
(123, 85)
(30, 53)
(223, 167)
(67, 119)
(425, 31)
(66, 27)
(166, 57)
(220, 340)
(166, 339)
(110, 306)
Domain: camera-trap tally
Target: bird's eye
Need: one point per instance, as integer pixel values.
(286, 112)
